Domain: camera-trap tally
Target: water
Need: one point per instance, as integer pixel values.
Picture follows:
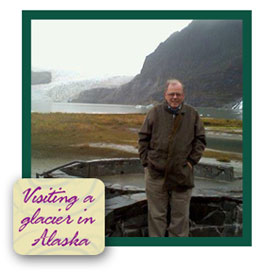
(224, 145)
(89, 108)
(93, 108)
(220, 113)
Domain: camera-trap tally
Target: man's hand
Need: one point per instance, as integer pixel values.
(189, 164)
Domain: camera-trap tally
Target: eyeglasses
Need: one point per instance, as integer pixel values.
(174, 94)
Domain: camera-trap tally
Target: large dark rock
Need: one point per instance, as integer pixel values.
(126, 215)
(41, 77)
(216, 218)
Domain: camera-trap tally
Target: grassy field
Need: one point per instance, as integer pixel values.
(223, 125)
(61, 134)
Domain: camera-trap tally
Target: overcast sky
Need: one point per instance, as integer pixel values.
(98, 48)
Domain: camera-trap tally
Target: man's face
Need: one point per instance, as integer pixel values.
(174, 94)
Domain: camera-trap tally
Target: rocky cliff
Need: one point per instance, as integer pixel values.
(206, 56)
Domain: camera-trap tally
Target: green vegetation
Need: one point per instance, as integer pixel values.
(64, 135)
(222, 122)
(223, 125)
(223, 159)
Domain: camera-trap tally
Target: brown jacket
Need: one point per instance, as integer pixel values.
(165, 152)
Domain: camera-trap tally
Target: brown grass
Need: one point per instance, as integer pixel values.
(56, 134)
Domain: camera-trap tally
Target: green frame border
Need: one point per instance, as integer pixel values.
(245, 16)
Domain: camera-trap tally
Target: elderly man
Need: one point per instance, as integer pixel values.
(171, 142)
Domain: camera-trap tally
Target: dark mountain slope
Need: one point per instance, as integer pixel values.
(206, 56)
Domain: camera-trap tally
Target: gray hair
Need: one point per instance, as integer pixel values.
(169, 81)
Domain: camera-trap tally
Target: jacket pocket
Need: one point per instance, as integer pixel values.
(156, 160)
(181, 175)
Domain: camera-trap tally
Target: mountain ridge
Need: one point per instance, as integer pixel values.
(206, 56)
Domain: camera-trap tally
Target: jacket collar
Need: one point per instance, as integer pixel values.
(182, 109)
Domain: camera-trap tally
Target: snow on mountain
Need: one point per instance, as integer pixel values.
(238, 106)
